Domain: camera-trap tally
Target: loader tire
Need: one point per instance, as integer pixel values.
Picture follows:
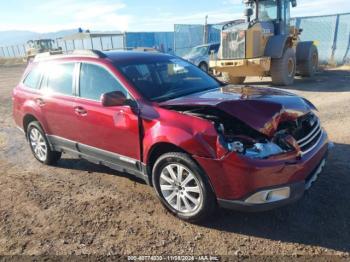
(309, 66)
(283, 69)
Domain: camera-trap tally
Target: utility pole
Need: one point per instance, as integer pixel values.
(205, 33)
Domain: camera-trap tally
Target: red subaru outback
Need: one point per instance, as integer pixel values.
(198, 142)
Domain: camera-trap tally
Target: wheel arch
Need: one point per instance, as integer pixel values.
(157, 150)
(162, 148)
(27, 119)
(276, 46)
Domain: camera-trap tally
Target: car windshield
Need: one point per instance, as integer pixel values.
(199, 51)
(167, 78)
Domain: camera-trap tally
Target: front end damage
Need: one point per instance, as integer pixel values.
(262, 164)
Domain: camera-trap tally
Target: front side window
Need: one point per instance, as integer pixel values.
(33, 78)
(60, 78)
(95, 81)
(166, 78)
(267, 10)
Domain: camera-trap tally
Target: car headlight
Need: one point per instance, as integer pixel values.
(257, 151)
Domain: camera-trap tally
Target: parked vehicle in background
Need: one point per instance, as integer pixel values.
(35, 47)
(198, 142)
(265, 45)
(200, 55)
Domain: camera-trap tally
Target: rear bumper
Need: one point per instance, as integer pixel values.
(274, 197)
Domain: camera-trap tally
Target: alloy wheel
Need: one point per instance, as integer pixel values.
(180, 188)
(38, 144)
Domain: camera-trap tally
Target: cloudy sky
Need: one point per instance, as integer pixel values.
(134, 15)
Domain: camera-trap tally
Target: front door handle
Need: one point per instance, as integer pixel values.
(80, 111)
(39, 101)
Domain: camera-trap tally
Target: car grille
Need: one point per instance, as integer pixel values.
(312, 135)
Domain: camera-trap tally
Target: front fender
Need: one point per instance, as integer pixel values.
(275, 46)
(194, 135)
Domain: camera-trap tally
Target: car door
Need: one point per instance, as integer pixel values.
(109, 133)
(58, 103)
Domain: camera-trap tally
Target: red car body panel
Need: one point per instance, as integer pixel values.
(236, 177)
(263, 110)
(118, 129)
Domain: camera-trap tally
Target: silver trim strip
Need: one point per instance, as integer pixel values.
(311, 133)
(116, 155)
(313, 147)
(312, 138)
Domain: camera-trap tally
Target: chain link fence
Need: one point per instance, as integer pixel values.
(162, 41)
(331, 35)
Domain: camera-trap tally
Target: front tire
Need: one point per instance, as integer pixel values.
(40, 145)
(283, 69)
(182, 187)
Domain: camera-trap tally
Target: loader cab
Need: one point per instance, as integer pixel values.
(274, 11)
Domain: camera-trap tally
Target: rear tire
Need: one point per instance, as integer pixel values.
(40, 146)
(185, 191)
(234, 80)
(283, 69)
(309, 66)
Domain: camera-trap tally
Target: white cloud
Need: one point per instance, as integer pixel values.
(165, 21)
(65, 14)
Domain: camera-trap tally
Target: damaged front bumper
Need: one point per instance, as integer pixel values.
(247, 184)
(267, 199)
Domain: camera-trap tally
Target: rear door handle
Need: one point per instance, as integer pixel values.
(80, 111)
(39, 101)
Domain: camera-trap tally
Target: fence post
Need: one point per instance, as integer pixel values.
(334, 46)
(112, 42)
(92, 42)
(101, 43)
(13, 51)
(65, 45)
(19, 53)
(8, 51)
(174, 44)
(347, 51)
(298, 22)
(3, 52)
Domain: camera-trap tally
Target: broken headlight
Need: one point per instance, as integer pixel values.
(258, 150)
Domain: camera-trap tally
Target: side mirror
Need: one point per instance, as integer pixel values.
(294, 3)
(115, 98)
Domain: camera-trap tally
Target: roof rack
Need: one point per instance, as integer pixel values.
(75, 53)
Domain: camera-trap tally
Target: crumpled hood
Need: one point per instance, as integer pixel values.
(260, 108)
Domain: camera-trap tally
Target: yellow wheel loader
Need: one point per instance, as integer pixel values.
(265, 44)
(35, 47)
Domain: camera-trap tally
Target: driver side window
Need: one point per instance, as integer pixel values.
(95, 81)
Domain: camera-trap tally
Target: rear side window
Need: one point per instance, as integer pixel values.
(33, 78)
(95, 81)
(60, 78)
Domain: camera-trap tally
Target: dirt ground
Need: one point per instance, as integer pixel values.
(82, 208)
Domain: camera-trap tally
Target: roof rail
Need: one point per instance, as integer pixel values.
(89, 53)
(74, 53)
